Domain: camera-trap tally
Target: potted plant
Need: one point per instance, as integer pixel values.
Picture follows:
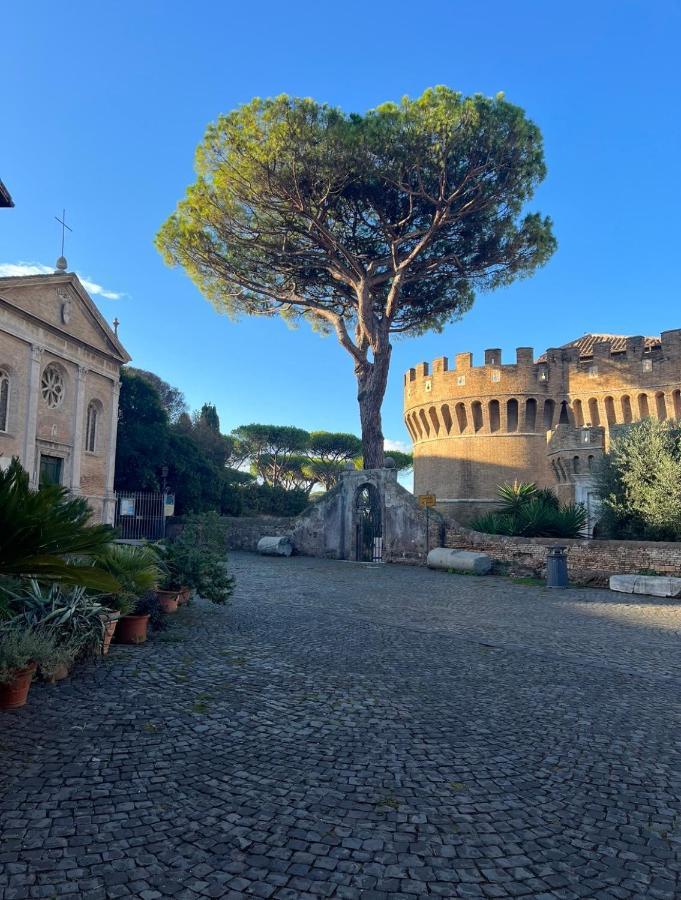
(197, 559)
(137, 570)
(22, 649)
(57, 665)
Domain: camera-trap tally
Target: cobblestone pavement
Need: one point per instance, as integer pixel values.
(358, 732)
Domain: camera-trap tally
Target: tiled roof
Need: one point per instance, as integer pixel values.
(618, 342)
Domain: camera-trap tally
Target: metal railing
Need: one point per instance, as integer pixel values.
(140, 516)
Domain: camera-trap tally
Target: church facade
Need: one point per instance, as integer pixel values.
(60, 368)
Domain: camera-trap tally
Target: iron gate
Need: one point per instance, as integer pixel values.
(369, 533)
(140, 516)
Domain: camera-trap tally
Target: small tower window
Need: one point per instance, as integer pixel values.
(91, 424)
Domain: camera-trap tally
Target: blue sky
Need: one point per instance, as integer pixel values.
(102, 106)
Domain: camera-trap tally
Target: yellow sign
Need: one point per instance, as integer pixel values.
(427, 500)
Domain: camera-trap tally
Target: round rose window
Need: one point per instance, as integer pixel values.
(52, 387)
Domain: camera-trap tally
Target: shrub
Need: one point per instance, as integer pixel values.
(150, 605)
(639, 483)
(530, 512)
(21, 645)
(197, 558)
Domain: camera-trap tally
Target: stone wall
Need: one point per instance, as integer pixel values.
(589, 562)
(243, 532)
(475, 427)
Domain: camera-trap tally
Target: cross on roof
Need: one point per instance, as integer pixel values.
(63, 224)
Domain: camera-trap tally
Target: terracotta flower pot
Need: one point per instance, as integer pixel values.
(110, 623)
(168, 600)
(14, 693)
(132, 629)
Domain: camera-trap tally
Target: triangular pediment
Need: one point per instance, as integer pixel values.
(61, 304)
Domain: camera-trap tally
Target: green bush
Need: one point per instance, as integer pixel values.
(639, 483)
(135, 569)
(197, 558)
(21, 645)
(527, 511)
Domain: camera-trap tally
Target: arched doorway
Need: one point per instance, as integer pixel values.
(368, 525)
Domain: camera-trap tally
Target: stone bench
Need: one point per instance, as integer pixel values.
(275, 546)
(655, 585)
(461, 560)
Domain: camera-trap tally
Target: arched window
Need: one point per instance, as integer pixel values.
(424, 422)
(627, 416)
(564, 415)
(512, 415)
(476, 410)
(661, 406)
(549, 409)
(4, 400)
(590, 463)
(579, 415)
(530, 414)
(446, 417)
(575, 465)
(594, 414)
(461, 417)
(91, 426)
(676, 397)
(643, 411)
(434, 419)
(610, 416)
(494, 415)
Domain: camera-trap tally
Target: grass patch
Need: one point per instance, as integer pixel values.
(391, 802)
(530, 582)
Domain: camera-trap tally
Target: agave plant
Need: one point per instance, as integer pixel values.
(527, 511)
(45, 534)
(136, 570)
(74, 617)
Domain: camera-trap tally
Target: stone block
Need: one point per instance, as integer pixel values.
(654, 585)
(275, 546)
(461, 560)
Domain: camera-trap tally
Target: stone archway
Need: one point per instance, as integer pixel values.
(368, 523)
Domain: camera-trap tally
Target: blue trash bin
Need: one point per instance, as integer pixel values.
(556, 568)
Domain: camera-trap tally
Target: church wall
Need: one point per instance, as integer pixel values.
(93, 468)
(14, 359)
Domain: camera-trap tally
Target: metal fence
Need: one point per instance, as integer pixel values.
(140, 516)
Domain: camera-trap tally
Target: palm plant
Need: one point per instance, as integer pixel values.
(527, 511)
(136, 571)
(45, 534)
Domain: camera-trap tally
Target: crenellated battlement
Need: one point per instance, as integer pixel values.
(475, 426)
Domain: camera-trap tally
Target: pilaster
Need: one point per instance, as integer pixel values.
(33, 398)
(78, 438)
(109, 501)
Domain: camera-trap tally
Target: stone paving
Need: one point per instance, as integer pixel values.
(358, 732)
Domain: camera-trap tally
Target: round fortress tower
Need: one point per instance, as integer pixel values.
(546, 421)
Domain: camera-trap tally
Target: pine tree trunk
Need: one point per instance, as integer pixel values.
(372, 379)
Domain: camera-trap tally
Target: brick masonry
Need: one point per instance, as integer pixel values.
(475, 427)
(588, 561)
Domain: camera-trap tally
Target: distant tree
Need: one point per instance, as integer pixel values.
(334, 446)
(639, 482)
(142, 444)
(403, 461)
(365, 226)
(269, 448)
(205, 431)
(172, 399)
